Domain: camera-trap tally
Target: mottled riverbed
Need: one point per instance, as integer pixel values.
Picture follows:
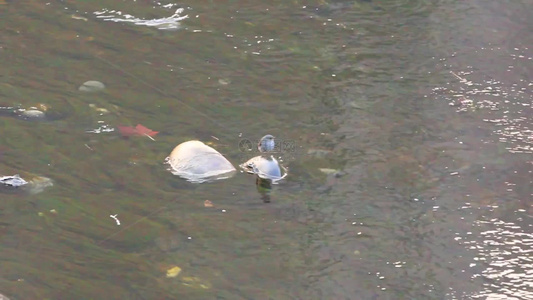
(407, 131)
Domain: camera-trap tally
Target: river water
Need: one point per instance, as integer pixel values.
(408, 127)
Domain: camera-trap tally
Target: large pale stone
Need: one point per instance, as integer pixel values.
(197, 162)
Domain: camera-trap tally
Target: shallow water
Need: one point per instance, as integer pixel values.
(417, 112)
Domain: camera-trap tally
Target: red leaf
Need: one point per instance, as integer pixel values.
(139, 130)
(143, 130)
(127, 130)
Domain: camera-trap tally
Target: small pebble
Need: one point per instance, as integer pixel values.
(224, 81)
(355, 105)
(99, 109)
(327, 171)
(339, 174)
(91, 86)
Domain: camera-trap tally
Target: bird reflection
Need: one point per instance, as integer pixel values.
(264, 187)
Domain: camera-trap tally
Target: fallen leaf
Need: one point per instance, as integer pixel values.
(208, 203)
(138, 130)
(173, 272)
(127, 130)
(145, 131)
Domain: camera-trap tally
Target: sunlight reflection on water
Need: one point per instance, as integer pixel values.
(500, 96)
(505, 249)
(169, 23)
(507, 106)
(329, 68)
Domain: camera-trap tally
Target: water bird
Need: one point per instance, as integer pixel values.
(265, 166)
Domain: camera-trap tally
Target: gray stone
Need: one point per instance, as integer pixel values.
(33, 114)
(91, 86)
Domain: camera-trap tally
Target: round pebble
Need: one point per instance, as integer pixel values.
(92, 86)
(223, 81)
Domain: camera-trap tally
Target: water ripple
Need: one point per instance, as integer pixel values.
(168, 23)
(505, 248)
(412, 7)
(508, 106)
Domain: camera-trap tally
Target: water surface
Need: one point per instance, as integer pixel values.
(420, 110)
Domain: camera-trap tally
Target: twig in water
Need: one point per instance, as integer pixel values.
(150, 137)
(457, 76)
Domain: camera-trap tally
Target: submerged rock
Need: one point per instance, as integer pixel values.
(91, 86)
(38, 184)
(37, 111)
(33, 114)
(2, 297)
(13, 181)
(198, 163)
(327, 171)
(34, 185)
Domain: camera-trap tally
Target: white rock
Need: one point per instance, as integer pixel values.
(33, 114)
(2, 297)
(197, 162)
(327, 171)
(91, 86)
(13, 181)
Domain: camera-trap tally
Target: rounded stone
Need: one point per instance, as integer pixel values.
(33, 114)
(197, 162)
(91, 86)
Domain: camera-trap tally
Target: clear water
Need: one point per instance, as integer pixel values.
(406, 125)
